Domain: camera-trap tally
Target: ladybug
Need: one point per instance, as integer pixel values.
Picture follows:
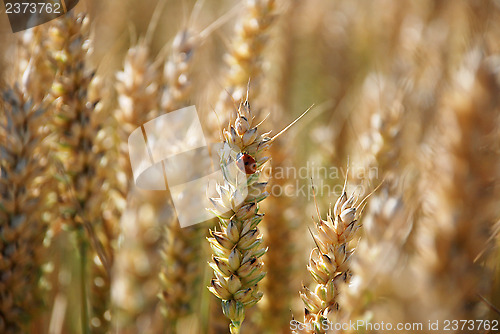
(246, 163)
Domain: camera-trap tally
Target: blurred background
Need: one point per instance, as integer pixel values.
(405, 94)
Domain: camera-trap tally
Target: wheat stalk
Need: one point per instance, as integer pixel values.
(141, 98)
(237, 246)
(24, 185)
(180, 244)
(329, 262)
(277, 232)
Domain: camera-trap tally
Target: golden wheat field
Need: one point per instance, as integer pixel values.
(251, 167)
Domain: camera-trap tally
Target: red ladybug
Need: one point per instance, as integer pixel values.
(246, 163)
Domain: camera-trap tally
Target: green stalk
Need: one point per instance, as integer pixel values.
(82, 244)
(172, 326)
(235, 327)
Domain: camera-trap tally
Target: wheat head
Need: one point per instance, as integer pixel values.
(329, 262)
(180, 268)
(82, 148)
(237, 246)
(244, 58)
(23, 178)
(459, 208)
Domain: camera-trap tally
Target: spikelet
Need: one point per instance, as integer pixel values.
(459, 208)
(23, 178)
(137, 88)
(37, 73)
(277, 232)
(177, 84)
(329, 263)
(81, 148)
(237, 246)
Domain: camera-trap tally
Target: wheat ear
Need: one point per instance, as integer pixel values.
(459, 208)
(180, 270)
(237, 245)
(244, 58)
(176, 70)
(329, 262)
(82, 151)
(23, 165)
(386, 222)
(180, 267)
(137, 260)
